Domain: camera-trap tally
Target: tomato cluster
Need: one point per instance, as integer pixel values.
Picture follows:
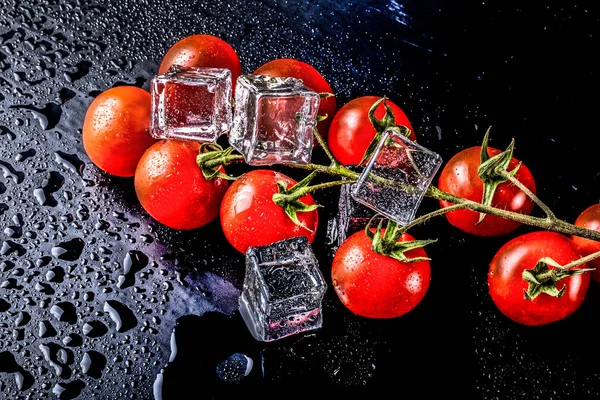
(173, 190)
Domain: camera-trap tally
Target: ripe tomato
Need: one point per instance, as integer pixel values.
(351, 131)
(506, 284)
(202, 51)
(171, 188)
(287, 67)
(116, 129)
(459, 177)
(249, 217)
(589, 219)
(377, 286)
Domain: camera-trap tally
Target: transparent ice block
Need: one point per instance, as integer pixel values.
(274, 120)
(396, 177)
(352, 216)
(191, 103)
(283, 290)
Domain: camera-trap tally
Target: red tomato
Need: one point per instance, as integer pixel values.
(506, 284)
(172, 189)
(590, 219)
(351, 131)
(249, 217)
(287, 67)
(202, 51)
(459, 177)
(376, 286)
(116, 129)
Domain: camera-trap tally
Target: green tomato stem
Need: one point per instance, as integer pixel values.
(549, 222)
(532, 196)
(325, 147)
(582, 260)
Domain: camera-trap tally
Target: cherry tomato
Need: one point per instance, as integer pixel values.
(172, 189)
(459, 177)
(249, 217)
(202, 51)
(287, 67)
(590, 219)
(351, 131)
(377, 286)
(116, 129)
(506, 285)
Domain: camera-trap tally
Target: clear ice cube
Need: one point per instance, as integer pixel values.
(191, 103)
(283, 289)
(352, 216)
(274, 120)
(396, 177)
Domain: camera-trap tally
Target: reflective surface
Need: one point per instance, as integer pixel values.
(99, 301)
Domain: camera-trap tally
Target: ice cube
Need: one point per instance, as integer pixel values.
(274, 120)
(283, 289)
(396, 177)
(191, 103)
(352, 215)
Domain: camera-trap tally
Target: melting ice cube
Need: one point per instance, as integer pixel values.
(283, 290)
(352, 216)
(396, 177)
(191, 103)
(274, 120)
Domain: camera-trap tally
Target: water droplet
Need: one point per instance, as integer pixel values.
(68, 390)
(64, 312)
(72, 162)
(46, 329)
(69, 251)
(94, 329)
(121, 315)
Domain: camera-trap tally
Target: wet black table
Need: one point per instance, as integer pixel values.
(70, 327)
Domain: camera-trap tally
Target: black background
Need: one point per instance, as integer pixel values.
(528, 69)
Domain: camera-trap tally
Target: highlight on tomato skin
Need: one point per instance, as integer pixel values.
(372, 285)
(171, 188)
(589, 219)
(459, 177)
(506, 284)
(115, 130)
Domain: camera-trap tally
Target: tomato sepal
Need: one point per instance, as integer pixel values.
(542, 279)
(381, 125)
(385, 242)
(289, 199)
(212, 151)
(491, 171)
(326, 95)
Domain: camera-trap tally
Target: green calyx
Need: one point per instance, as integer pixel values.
(492, 170)
(542, 279)
(212, 151)
(385, 242)
(381, 125)
(289, 199)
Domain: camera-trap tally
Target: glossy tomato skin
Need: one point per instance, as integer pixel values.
(376, 286)
(287, 67)
(459, 177)
(172, 189)
(202, 51)
(589, 219)
(351, 131)
(249, 217)
(506, 284)
(116, 129)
